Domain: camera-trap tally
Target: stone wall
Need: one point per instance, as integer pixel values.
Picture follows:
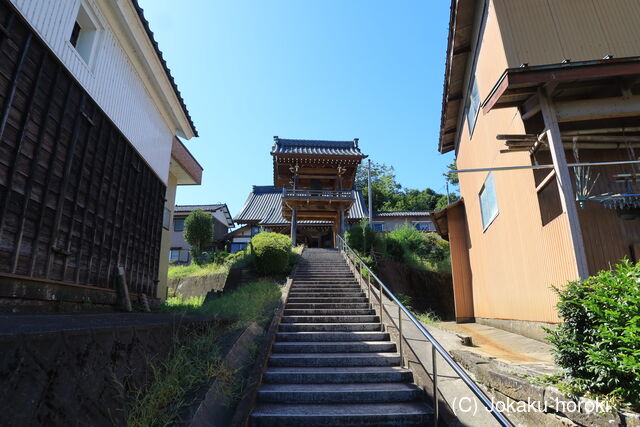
(77, 376)
(538, 404)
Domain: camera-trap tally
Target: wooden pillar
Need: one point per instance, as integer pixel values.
(341, 223)
(563, 178)
(294, 226)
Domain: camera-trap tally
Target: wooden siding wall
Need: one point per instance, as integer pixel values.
(607, 237)
(110, 78)
(461, 268)
(76, 199)
(540, 32)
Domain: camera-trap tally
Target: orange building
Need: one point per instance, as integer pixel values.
(541, 105)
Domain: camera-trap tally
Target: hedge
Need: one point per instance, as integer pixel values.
(598, 342)
(272, 252)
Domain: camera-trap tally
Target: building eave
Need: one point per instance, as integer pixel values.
(461, 19)
(183, 165)
(133, 33)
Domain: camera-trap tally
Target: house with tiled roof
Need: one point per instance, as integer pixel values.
(390, 220)
(220, 218)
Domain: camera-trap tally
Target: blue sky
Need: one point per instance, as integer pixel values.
(323, 69)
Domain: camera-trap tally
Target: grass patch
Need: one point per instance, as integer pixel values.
(250, 302)
(428, 317)
(194, 361)
(195, 270)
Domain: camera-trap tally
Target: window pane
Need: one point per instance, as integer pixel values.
(473, 106)
(166, 219)
(488, 201)
(178, 224)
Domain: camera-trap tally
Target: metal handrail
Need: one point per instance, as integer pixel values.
(436, 346)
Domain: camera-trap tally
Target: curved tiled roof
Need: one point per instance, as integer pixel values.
(316, 147)
(167, 71)
(264, 207)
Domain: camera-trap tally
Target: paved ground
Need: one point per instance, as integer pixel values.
(39, 323)
(507, 347)
(502, 345)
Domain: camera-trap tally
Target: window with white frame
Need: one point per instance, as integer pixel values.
(488, 202)
(84, 34)
(377, 226)
(473, 105)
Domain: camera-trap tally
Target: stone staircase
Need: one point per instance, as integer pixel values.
(332, 364)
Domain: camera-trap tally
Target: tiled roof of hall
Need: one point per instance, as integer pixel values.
(264, 207)
(316, 147)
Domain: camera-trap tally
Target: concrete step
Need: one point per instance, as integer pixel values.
(328, 312)
(353, 287)
(327, 284)
(338, 327)
(312, 299)
(341, 360)
(332, 336)
(325, 305)
(328, 275)
(339, 393)
(330, 319)
(334, 375)
(407, 414)
(335, 347)
(326, 294)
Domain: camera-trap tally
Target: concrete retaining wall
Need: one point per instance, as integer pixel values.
(198, 286)
(76, 376)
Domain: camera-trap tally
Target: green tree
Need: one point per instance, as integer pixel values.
(389, 195)
(383, 182)
(198, 231)
(452, 177)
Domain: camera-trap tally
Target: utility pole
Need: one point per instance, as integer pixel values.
(370, 192)
(447, 184)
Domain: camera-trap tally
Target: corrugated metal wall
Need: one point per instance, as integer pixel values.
(547, 31)
(111, 79)
(516, 260)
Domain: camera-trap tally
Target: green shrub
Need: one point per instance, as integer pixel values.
(272, 252)
(417, 249)
(218, 257)
(198, 232)
(355, 238)
(599, 340)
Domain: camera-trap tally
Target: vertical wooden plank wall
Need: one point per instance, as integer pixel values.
(76, 199)
(461, 267)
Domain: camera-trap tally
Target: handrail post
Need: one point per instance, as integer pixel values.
(434, 353)
(381, 326)
(400, 335)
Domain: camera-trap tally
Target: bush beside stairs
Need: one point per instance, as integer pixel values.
(332, 364)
